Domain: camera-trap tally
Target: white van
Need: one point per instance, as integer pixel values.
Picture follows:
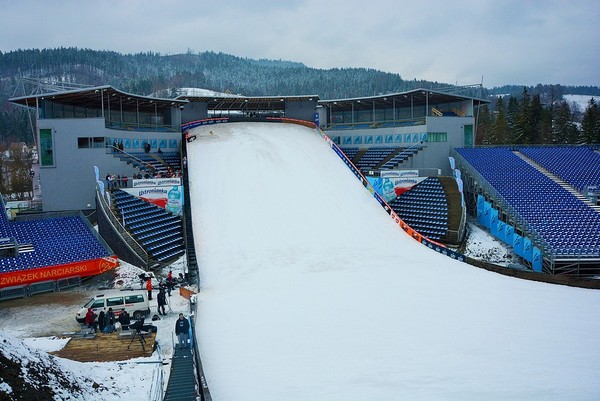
(134, 302)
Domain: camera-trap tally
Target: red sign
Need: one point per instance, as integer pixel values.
(52, 273)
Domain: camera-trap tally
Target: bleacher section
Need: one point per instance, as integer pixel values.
(400, 157)
(373, 157)
(159, 232)
(158, 163)
(350, 152)
(379, 157)
(579, 166)
(50, 241)
(569, 227)
(341, 126)
(424, 208)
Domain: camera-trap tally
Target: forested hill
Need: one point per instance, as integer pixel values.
(146, 73)
(153, 73)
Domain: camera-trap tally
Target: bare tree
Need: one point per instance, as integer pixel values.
(20, 160)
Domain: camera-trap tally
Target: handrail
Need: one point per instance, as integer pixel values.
(128, 239)
(157, 388)
(203, 385)
(140, 127)
(116, 150)
(377, 124)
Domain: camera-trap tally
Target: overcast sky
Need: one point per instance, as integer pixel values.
(458, 42)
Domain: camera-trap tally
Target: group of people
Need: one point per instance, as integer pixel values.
(118, 147)
(116, 181)
(106, 322)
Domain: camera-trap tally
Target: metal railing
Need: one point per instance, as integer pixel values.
(116, 152)
(131, 243)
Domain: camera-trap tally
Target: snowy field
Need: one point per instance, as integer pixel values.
(582, 101)
(310, 292)
(29, 328)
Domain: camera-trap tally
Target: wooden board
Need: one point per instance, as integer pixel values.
(106, 348)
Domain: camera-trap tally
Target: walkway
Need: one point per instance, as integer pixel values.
(182, 379)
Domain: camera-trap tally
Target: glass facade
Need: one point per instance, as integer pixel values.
(46, 148)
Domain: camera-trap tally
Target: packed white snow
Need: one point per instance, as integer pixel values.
(310, 292)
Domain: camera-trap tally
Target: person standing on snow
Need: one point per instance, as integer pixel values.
(90, 320)
(101, 321)
(161, 300)
(170, 282)
(182, 327)
(149, 288)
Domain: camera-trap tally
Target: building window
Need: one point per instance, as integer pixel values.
(437, 137)
(46, 148)
(87, 143)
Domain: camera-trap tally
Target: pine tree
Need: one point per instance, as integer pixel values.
(500, 127)
(590, 123)
(484, 126)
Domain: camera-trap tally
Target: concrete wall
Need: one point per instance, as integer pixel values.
(70, 184)
(194, 111)
(301, 110)
(436, 153)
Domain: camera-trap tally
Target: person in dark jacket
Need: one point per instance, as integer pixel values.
(125, 320)
(161, 300)
(170, 283)
(101, 320)
(182, 327)
(109, 320)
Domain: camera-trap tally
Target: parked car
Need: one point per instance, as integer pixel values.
(134, 302)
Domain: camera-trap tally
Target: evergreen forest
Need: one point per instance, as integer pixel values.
(516, 115)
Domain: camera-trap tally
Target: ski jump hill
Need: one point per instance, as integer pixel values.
(309, 291)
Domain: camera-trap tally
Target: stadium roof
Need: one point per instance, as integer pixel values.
(93, 97)
(242, 103)
(416, 97)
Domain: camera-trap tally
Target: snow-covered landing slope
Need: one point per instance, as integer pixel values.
(310, 292)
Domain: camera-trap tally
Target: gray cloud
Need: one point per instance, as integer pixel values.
(506, 42)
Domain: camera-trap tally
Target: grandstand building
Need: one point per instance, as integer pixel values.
(399, 143)
(413, 120)
(533, 198)
(78, 129)
(85, 134)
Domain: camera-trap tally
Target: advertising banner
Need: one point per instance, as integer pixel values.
(501, 231)
(53, 273)
(527, 249)
(170, 199)
(487, 214)
(480, 207)
(509, 234)
(399, 173)
(457, 174)
(391, 188)
(518, 244)
(156, 182)
(536, 262)
(494, 222)
(155, 195)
